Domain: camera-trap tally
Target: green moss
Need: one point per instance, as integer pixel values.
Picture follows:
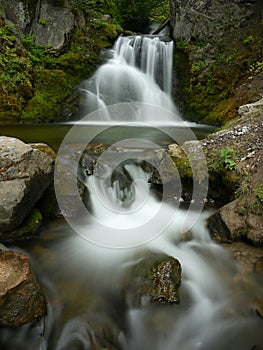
(28, 229)
(51, 89)
(210, 90)
(36, 81)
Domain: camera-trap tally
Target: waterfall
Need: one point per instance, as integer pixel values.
(140, 70)
(124, 221)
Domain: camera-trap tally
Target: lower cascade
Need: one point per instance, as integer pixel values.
(84, 282)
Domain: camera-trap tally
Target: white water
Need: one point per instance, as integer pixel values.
(80, 278)
(140, 71)
(214, 313)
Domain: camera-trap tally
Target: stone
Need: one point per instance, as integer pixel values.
(50, 30)
(242, 218)
(18, 12)
(25, 173)
(251, 108)
(21, 297)
(155, 278)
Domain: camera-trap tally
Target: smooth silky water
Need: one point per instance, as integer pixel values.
(81, 274)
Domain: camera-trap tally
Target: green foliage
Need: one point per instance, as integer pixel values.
(248, 40)
(256, 68)
(51, 89)
(160, 11)
(39, 55)
(182, 45)
(199, 66)
(227, 158)
(135, 14)
(259, 192)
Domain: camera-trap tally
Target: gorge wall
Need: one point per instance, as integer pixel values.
(218, 56)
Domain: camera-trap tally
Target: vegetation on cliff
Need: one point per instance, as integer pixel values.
(37, 82)
(219, 58)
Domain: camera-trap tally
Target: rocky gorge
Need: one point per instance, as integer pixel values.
(233, 155)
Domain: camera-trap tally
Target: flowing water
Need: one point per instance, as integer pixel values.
(82, 273)
(140, 71)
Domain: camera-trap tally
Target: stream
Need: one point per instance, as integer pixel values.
(81, 260)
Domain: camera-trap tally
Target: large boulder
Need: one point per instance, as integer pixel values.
(21, 297)
(50, 30)
(25, 172)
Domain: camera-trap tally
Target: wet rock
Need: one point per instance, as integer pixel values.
(21, 297)
(24, 175)
(249, 273)
(155, 278)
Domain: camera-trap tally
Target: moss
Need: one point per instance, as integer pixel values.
(218, 74)
(37, 81)
(28, 229)
(51, 89)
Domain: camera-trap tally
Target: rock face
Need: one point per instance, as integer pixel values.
(24, 175)
(21, 297)
(242, 218)
(50, 30)
(201, 20)
(42, 19)
(217, 56)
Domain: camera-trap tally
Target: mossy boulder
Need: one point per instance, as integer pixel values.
(29, 228)
(155, 277)
(25, 173)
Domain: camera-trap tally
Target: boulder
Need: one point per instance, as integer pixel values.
(155, 278)
(25, 173)
(50, 30)
(21, 297)
(242, 219)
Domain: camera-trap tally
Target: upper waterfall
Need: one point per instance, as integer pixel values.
(140, 70)
(151, 55)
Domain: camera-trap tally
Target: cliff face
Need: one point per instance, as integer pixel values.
(46, 48)
(218, 55)
(50, 22)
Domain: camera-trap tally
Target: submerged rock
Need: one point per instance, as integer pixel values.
(25, 173)
(21, 297)
(155, 278)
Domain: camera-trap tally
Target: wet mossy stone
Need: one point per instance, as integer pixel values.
(155, 278)
(28, 229)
